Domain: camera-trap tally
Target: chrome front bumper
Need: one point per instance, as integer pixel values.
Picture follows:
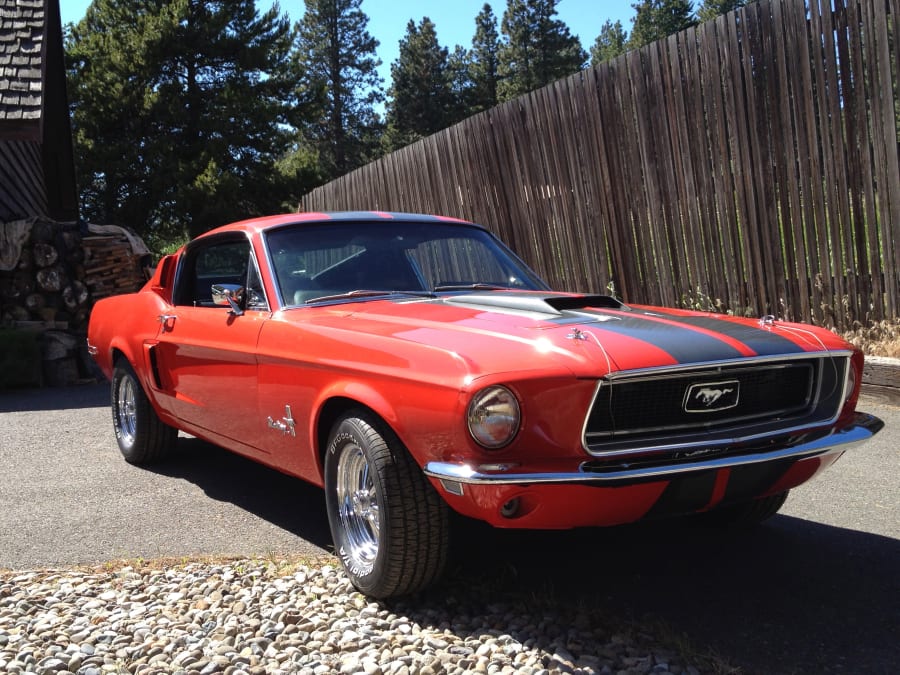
(813, 444)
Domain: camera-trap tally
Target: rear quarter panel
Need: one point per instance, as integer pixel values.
(122, 324)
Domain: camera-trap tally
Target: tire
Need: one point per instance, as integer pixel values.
(389, 525)
(142, 437)
(748, 514)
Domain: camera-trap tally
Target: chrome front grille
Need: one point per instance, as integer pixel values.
(713, 404)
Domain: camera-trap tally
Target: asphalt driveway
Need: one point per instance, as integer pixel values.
(815, 590)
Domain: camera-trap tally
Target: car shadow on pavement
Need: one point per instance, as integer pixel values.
(55, 398)
(287, 502)
(790, 596)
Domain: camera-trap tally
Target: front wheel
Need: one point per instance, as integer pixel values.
(389, 525)
(142, 437)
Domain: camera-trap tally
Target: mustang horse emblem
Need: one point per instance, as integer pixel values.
(709, 396)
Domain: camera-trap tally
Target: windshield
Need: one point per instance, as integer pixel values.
(365, 259)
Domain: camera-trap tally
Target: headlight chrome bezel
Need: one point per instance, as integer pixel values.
(493, 417)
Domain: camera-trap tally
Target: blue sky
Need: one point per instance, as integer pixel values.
(453, 19)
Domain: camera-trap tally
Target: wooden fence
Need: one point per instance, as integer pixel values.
(749, 164)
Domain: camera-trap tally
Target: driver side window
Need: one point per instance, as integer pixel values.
(223, 262)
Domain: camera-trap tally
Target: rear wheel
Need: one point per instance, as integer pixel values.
(747, 514)
(142, 437)
(389, 525)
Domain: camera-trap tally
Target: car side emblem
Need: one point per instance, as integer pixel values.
(285, 425)
(712, 396)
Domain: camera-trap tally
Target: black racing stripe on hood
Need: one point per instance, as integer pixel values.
(763, 342)
(684, 345)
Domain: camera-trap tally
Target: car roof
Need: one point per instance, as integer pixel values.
(261, 224)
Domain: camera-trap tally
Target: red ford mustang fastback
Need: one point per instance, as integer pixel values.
(411, 365)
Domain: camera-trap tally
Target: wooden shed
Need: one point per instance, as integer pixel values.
(37, 171)
(38, 195)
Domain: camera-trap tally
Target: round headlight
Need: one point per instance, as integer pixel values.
(493, 417)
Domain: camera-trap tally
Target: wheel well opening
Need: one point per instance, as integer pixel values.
(332, 411)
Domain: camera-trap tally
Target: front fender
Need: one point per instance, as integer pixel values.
(414, 410)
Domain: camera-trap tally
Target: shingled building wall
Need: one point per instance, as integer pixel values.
(37, 175)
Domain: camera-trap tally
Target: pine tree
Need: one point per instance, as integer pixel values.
(611, 43)
(710, 9)
(462, 88)
(339, 85)
(421, 99)
(656, 19)
(176, 112)
(484, 60)
(538, 49)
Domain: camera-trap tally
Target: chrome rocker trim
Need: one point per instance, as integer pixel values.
(832, 441)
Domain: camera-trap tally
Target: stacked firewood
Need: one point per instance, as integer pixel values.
(60, 272)
(50, 274)
(46, 288)
(111, 266)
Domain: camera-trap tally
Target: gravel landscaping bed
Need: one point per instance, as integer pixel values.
(260, 616)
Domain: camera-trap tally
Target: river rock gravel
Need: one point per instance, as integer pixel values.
(265, 616)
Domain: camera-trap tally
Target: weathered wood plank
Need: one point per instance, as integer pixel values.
(22, 189)
(882, 370)
(885, 132)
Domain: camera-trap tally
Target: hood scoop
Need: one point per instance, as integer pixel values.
(554, 305)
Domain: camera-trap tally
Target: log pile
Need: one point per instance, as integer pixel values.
(111, 266)
(46, 289)
(50, 275)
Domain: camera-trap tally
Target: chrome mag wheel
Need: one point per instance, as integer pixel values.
(390, 528)
(358, 508)
(142, 437)
(126, 413)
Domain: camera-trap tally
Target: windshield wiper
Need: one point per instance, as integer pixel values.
(362, 293)
(470, 287)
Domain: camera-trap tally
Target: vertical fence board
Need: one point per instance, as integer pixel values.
(842, 223)
(884, 136)
(693, 147)
(758, 73)
(828, 217)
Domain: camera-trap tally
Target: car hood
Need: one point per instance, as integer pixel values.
(590, 336)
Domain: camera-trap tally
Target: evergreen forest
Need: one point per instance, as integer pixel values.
(189, 114)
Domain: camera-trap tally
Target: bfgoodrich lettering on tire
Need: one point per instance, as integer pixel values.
(390, 527)
(143, 438)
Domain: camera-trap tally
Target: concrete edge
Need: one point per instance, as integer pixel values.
(881, 379)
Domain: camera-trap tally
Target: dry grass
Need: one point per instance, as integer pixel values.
(881, 338)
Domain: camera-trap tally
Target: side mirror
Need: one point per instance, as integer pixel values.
(231, 295)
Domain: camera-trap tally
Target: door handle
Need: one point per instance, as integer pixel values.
(167, 321)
